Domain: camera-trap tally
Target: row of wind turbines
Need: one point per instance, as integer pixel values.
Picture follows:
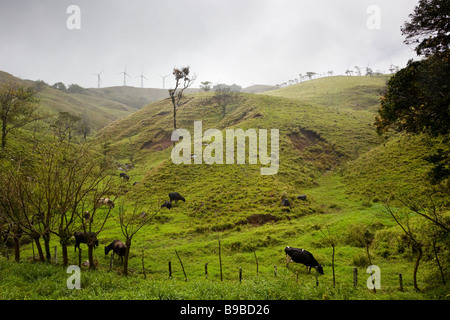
(125, 75)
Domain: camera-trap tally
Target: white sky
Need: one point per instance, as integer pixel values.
(232, 41)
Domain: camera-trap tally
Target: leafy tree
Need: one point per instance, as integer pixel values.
(17, 108)
(417, 98)
(429, 27)
(206, 85)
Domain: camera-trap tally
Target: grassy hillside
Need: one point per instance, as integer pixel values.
(328, 148)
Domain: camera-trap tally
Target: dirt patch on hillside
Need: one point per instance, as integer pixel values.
(160, 142)
(304, 138)
(260, 219)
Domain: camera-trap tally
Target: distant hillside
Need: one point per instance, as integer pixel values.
(132, 96)
(99, 106)
(258, 88)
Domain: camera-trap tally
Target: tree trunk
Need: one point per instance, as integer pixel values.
(46, 237)
(3, 134)
(127, 254)
(416, 267)
(91, 256)
(39, 248)
(64, 253)
(16, 241)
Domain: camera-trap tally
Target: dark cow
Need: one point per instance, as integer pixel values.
(285, 203)
(304, 257)
(302, 197)
(124, 176)
(167, 205)
(117, 247)
(82, 237)
(175, 196)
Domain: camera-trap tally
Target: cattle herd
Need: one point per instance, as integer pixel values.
(296, 255)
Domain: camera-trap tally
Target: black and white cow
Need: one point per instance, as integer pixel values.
(304, 257)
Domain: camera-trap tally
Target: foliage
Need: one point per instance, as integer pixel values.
(428, 28)
(417, 98)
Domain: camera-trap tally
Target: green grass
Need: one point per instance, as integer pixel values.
(328, 151)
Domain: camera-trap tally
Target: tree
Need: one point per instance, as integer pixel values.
(417, 98)
(64, 124)
(17, 108)
(206, 85)
(429, 27)
(182, 81)
(310, 74)
(224, 95)
(130, 224)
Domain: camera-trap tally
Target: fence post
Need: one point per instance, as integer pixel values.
(275, 270)
(355, 277)
(257, 267)
(170, 270)
(206, 270)
(400, 279)
(220, 262)
(240, 274)
(185, 277)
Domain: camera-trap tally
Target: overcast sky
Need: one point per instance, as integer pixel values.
(232, 41)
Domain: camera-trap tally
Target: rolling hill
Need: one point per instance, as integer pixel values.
(328, 151)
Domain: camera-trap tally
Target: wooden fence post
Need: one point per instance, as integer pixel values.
(206, 270)
(220, 262)
(275, 270)
(143, 265)
(355, 277)
(257, 267)
(170, 269)
(185, 277)
(400, 279)
(240, 274)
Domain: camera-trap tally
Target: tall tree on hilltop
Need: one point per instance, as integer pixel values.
(182, 81)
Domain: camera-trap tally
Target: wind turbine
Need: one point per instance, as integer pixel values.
(125, 75)
(142, 79)
(99, 80)
(164, 79)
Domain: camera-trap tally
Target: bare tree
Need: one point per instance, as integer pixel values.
(131, 221)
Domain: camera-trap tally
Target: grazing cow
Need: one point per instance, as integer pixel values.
(302, 197)
(285, 203)
(304, 257)
(124, 176)
(82, 237)
(175, 196)
(106, 202)
(117, 247)
(167, 205)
